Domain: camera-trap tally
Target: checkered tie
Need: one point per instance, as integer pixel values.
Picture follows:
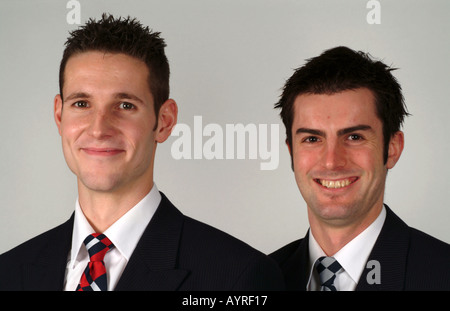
(327, 268)
(94, 276)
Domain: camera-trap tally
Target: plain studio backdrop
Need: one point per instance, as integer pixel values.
(229, 60)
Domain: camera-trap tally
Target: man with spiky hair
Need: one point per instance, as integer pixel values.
(343, 112)
(112, 110)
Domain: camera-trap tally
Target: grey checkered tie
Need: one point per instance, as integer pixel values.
(327, 267)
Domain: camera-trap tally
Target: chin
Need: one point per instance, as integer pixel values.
(335, 212)
(100, 183)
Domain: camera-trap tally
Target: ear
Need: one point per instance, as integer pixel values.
(395, 149)
(167, 119)
(57, 111)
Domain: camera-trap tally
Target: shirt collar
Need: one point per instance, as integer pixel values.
(354, 255)
(124, 233)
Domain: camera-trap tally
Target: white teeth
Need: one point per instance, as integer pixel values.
(335, 184)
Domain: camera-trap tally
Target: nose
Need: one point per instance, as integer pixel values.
(335, 155)
(100, 124)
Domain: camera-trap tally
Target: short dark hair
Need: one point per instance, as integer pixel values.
(128, 36)
(340, 69)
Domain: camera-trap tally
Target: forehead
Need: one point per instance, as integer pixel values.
(99, 67)
(102, 57)
(335, 111)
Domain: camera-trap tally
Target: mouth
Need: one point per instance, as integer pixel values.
(337, 183)
(102, 151)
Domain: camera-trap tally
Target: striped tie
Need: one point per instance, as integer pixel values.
(94, 276)
(327, 268)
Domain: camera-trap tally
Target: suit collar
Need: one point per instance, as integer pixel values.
(153, 265)
(388, 256)
(390, 251)
(296, 267)
(133, 223)
(48, 271)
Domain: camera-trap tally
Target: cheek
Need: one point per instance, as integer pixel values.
(72, 128)
(67, 137)
(371, 161)
(303, 162)
(141, 137)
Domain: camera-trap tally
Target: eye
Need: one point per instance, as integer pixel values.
(127, 106)
(80, 104)
(311, 139)
(355, 137)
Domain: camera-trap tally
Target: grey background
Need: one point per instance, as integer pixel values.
(229, 60)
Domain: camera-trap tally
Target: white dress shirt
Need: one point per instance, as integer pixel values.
(352, 257)
(124, 234)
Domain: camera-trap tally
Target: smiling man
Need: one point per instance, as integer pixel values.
(112, 111)
(106, 122)
(343, 112)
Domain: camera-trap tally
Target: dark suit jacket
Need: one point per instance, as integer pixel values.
(175, 253)
(409, 260)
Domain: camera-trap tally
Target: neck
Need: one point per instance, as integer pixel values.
(102, 209)
(332, 237)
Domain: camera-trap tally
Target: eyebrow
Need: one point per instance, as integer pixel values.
(361, 127)
(348, 130)
(120, 95)
(77, 95)
(124, 95)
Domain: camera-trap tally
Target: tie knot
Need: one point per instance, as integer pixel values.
(97, 245)
(327, 267)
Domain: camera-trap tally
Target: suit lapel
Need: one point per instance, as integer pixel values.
(390, 251)
(153, 263)
(48, 272)
(295, 268)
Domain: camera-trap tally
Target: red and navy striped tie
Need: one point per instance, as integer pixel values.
(94, 276)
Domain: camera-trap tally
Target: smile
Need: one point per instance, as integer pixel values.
(102, 151)
(336, 184)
